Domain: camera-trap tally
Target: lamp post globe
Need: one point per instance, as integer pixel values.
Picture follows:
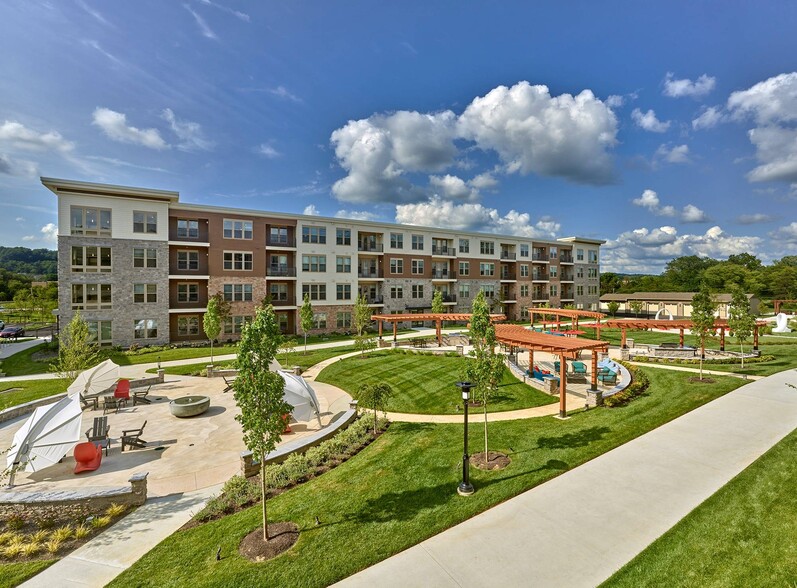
(465, 488)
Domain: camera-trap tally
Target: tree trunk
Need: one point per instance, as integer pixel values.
(305, 343)
(741, 348)
(211, 352)
(486, 455)
(375, 419)
(263, 494)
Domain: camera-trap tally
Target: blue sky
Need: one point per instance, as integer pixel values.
(667, 129)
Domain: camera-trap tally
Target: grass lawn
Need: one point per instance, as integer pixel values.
(28, 390)
(744, 535)
(424, 383)
(401, 489)
(13, 574)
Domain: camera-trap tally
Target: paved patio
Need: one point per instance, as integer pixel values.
(182, 455)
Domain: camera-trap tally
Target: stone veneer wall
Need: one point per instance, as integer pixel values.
(124, 311)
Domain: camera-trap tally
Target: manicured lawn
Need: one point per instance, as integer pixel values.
(402, 489)
(22, 363)
(424, 383)
(13, 574)
(744, 535)
(28, 390)
(785, 358)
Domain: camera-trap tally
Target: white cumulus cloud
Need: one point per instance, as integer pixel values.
(189, 133)
(18, 136)
(692, 214)
(356, 215)
(709, 118)
(648, 121)
(650, 200)
(787, 233)
(452, 188)
(751, 219)
(686, 87)
(311, 210)
(675, 154)
(114, 125)
(47, 234)
(17, 167)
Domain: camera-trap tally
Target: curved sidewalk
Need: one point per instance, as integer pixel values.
(579, 528)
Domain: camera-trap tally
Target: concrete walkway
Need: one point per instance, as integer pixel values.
(678, 368)
(8, 349)
(113, 551)
(579, 528)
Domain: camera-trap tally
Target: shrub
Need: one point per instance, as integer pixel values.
(39, 536)
(53, 545)
(100, 522)
(115, 510)
(722, 361)
(81, 531)
(12, 550)
(30, 549)
(15, 522)
(61, 533)
(639, 383)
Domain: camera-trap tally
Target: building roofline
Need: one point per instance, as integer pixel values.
(58, 186)
(583, 240)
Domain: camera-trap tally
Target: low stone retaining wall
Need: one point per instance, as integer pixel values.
(251, 467)
(97, 498)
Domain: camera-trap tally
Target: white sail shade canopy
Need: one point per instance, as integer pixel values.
(301, 397)
(95, 381)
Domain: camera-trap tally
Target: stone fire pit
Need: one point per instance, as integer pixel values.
(189, 406)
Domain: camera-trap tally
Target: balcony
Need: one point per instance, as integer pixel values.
(565, 258)
(375, 300)
(539, 277)
(538, 296)
(443, 274)
(443, 250)
(540, 256)
(282, 302)
(449, 299)
(369, 273)
(508, 277)
(279, 241)
(370, 247)
(508, 256)
(280, 271)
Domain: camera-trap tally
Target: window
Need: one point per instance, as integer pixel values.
(314, 263)
(343, 320)
(524, 289)
(417, 290)
(417, 242)
(145, 222)
(524, 313)
(579, 255)
(320, 320)
(233, 325)
(188, 260)
(524, 250)
(396, 266)
(487, 247)
(187, 229)
(278, 235)
(486, 269)
(464, 245)
(91, 297)
(554, 289)
(343, 236)
(100, 332)
(579, 290)
(91, 259)
(553, 271)
(145, 292)
(593, 256)
(397, 240)
(591, 290)
(552, 253)
(237, 229)
(343, 265)
(417, 266)
(316, 291)
(489, 290)
(187, 325)
(343, 292)
(187, 292)
(238, 292)
(464, 290)
(524, 270)
(145, 328)
(592, 272)
(314, 235)
(90, 221)
(579, 272)
(396, 292)
(282, 319)
(464, 268)
(237, 260)
(145, 258)
(278, 292)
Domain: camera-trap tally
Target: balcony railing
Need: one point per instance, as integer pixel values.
(566, 258)
(280, 241)
(367, 272)
(508, 276)
(282, 302)
(442, 250)
(539, 256)
(508, 255)
(443, 274)
(539, 277)
(370, 247)
(375, 299)
(539, 296)
(281, 271)
(449, 298)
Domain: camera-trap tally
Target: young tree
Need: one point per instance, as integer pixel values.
(306, 318)
(613, 307)
(375, 397)
(288, 348)
(217, 311)
(740, 319)
(703, 308)
(361, 318)
(76, 349)
(636, 307)
(259, 393)
(437, 302)
(486, 370)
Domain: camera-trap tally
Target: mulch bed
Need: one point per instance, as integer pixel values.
(703, 381)
(282, 536)
(495, 460)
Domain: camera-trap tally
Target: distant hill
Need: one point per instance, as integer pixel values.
(30, 262)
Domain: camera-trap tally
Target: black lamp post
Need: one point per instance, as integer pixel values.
(465, 488)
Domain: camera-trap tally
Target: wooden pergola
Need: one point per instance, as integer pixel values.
(572, 314)
(780, 302)
(564, 347)
(437, 317)
(681, 325)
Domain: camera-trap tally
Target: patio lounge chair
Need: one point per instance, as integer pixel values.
(132, 438)
(98, 433)
(579, 367)
(607, 377)
(92, 402)
(122, 389)
(228, 383)
(87, 457)
(140, 396)
(113, 403)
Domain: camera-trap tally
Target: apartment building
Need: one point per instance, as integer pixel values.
(140, 265)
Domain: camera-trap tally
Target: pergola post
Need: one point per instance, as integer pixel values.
(562, 386)
(439, 332)
(681, 337)
(622, 335)
(380, 329)
(722, 338)
(594, 377)
(755, 338)
(531, 360)
(395, 331)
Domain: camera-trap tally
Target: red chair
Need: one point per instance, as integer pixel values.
(87, 457)
(122, 389)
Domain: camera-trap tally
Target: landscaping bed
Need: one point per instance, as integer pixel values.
(423, 383)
